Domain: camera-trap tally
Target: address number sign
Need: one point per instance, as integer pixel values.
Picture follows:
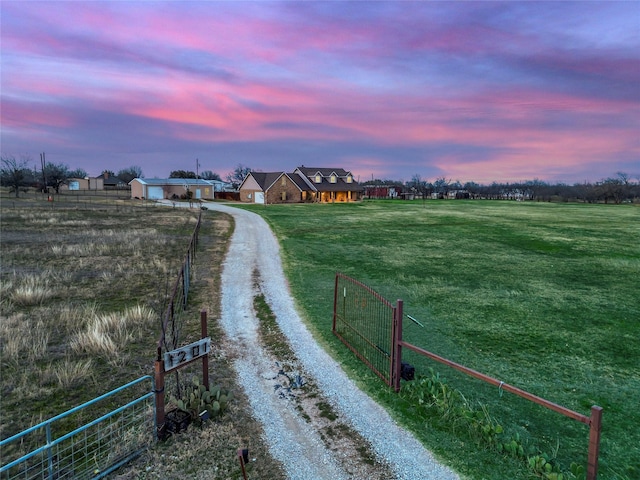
(179, 356)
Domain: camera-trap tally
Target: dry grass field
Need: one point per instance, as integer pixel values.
(83, 286)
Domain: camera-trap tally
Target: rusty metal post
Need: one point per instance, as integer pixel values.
(396, 338)
(159, 394)
(335, 303)
(243, 458)
(595, 426)
(205, 358)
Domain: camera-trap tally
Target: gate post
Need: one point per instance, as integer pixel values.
(159, 393)
(396, 338)
(335, 303)
(594, 442)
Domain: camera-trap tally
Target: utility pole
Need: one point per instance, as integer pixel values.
(197, 169)
(43, 164)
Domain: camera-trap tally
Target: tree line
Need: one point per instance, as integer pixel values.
(19, 176)
(619, 189)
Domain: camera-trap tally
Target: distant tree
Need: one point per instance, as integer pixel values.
(455, 185)
(237, 176)
(613, 189)
(128, 174)
(418, 185)
(473, 188)
(536, 187)
(441, 185)
(56, 175)
(182, 174)
(625, 178)
(108, 173)
(78, 173)
(209, 175)
(15, 173)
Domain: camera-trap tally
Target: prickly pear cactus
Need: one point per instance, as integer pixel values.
(199, 399)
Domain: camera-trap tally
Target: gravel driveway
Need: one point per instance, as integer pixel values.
(292, 438)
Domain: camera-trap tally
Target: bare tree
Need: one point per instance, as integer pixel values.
(15, 173)
(128, 174)
(441, 186)
(209, 175)
(56, 175)
(237, 176)
(78, 173)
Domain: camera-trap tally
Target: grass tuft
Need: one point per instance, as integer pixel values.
(71, 373)
(22, 340)
(31, 290)
(108, 334)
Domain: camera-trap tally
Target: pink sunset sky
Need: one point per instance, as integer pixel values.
(468, 91)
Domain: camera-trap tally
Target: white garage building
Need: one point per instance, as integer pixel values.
(168, 188)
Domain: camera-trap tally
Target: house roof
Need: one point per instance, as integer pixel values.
(111, 179)
(299, 181)
(339, 186)
(266, 179)
(179, 181)
(325, 172)
(325, 184)
(303, 177)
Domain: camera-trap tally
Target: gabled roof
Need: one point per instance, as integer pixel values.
(325, 172)
(325, 185)
(266, 179)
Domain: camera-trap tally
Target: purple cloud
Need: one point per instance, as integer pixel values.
(478, 91)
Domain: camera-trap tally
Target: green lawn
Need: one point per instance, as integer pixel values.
(541, 296)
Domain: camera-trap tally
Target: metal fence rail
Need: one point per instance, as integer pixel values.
(363, 321)
(92, 450)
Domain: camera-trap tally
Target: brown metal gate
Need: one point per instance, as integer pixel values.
(365, 322)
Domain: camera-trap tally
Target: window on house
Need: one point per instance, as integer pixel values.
(284, 196)
(334, 179)
(318, 179)
(349, 179)
(283, 182)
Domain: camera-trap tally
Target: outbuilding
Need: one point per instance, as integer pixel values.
(168, 188)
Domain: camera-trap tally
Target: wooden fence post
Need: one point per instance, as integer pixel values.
(595, 426)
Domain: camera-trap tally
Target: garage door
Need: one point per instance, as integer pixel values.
(259, 197)
(155, 193)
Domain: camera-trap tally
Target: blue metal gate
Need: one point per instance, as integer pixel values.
(93, 450)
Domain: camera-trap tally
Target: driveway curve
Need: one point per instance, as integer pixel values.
(291, 438)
